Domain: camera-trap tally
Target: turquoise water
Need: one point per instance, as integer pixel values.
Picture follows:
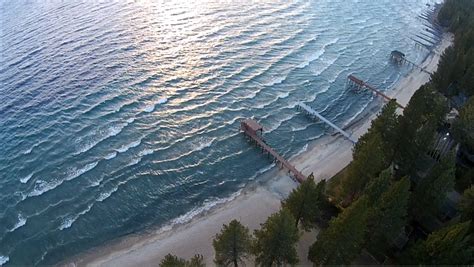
(118, 116)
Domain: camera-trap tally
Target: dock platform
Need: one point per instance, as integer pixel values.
(308, 110)
(254, 131)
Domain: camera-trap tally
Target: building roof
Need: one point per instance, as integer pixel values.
(398, 54)
(252, 124)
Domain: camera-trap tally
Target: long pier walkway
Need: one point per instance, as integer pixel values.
(251, 128)
(354, 81)
(308, 110)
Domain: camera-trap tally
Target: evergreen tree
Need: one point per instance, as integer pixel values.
(276, 240)
(431, 191)
(464, 126)
(466, 204)
(232, 245)
(304, 202)
(172, 261)
(451, 245)
(378, 186)
(196, 261)
(386, 125)
(389, 216)
(368, 162)
(417, 127)
(342, 241)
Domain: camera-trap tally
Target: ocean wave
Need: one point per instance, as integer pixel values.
(328, 63)
(3, 260)
(112, 131)
(206, 206)
(283, 95)
(25, 179)
(276, 80)
(42, 186)
(21, 221)
(301, 151)
(202, 143)
(74, 173)
(146, 152)
(68, 222)
(104, 195)
(278, 124)
(151, 107)
(111, 155)
(126, 147)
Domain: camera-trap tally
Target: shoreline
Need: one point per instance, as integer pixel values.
(324, 157)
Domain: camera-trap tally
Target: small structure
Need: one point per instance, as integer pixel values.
(397, 56)
(254, 130)
(400, 58)
(251, 126)
(354, 82)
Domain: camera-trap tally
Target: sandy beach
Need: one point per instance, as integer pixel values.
(324, 158)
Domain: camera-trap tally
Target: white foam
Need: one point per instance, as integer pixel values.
(162, 100)
(276, 80)
(3, 260)
(128, 146)
(26, 178)
(21, 221)
(146, 152)
(207, 205)
(151, 107)
(111, 155)
(283, 95)
(278, 124)
(78, 172)
(204, 144)
(112, 131)
(68, 222)
(28, 151)
(103, 196)
(42, 187)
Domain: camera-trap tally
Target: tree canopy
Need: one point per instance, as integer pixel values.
(276, 240)
(451, 245)
(343, 240)
(304, 202)
(232, 245)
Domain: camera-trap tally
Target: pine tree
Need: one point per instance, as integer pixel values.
(342, 241)
(304, 202)
(464, 126)
(466, 204)
(417, 127)
(276, 240)
(389, 216)
(430, 193)
(172, 261)
(451, 245)
(368, 162)
(232, 245)
(378, 186)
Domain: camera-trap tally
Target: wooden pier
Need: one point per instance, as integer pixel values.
(360, 84)
(400, 58)
(309, 111)
(254, 131)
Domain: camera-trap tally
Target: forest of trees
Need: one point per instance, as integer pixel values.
(393, 194)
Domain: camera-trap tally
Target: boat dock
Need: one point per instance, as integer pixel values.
(309, 111)
(254, 131)
(360, 84)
